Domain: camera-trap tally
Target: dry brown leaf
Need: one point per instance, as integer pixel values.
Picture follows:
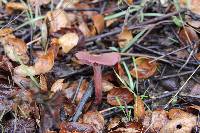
(68, 41)
(107, 86)
(75, 127)
(139, 109)
(179, 125)
(124, 37)
(15, 47)
(113, 122)
(177, 113)
(187, 35)
(123, 94)
(193, 5)
(42, 65)
(57, 86)
(99, 23)
(144, 69)
(57, 19)
(43, 83)
(39, 2)
(45, 63)
(156, 120)
(11, 6)
(84, 29)
(95, 119)
(5, 31)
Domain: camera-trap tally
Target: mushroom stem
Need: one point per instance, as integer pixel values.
(97, 83)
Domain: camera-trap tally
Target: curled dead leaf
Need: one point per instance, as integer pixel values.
(68, 41)
(95, 119)
(44, 63)
(122, 94)
(15, 47)
(144, 69)
(99, 23)
(11, 6)
(57, 19)
(124, 37)
(57, 86)
(139, 109)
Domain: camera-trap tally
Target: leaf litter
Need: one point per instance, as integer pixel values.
(93, 66)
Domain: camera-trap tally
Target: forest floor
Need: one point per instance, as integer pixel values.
(99, 66)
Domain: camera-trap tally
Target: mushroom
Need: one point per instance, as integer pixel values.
(108, 59)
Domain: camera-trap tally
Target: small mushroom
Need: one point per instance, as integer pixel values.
(108, 59)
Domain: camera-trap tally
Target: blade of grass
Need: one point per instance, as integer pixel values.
(119, 14)
(30, 21)
(129, 76)
(136, 73)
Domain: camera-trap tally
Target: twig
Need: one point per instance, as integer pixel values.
(180, 89)
(83, 101)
